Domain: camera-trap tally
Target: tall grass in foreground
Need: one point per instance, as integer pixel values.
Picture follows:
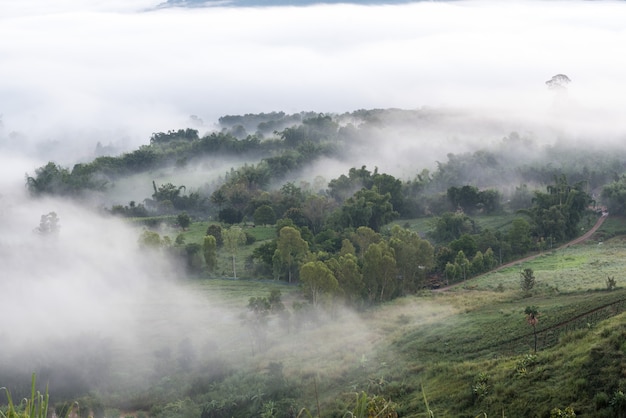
(35, 407)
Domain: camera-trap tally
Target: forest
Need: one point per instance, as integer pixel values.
(305, 251)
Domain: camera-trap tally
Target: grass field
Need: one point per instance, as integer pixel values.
(470, 348)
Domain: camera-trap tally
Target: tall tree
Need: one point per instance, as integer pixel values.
(532, 315)
(367, 208)
(264, 215)
(233, 238)
(349, 277)
(209, 250)
(317, 281)
(291, 250)
(558, 212)
(363, 237)
(414, 256)
(379, 272)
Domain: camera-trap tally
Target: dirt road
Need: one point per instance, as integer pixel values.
(578, 240)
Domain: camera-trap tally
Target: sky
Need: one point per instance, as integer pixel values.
(81, 71)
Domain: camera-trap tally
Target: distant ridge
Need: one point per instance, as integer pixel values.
(269, 3)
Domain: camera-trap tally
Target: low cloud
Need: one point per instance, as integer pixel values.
(82, 72)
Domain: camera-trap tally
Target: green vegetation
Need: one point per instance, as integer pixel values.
(288, 259)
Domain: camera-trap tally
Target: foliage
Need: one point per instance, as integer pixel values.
(49, 224)
(34, 407)
(183, 220)
(291, 250)
(556, 214)
(264, 215)
(209, 251)
(233, 238)
(610, 283)
(480, 388)
(372, 406)
(317, 281)
(527, 280)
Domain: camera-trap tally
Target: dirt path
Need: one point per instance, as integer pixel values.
(578, 240)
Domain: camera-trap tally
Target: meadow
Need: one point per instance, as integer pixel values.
(465, 351)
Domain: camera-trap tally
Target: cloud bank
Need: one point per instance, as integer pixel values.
(93, 71)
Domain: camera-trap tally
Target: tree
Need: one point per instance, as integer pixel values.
(557, 213)
(414, 257)
(183, 220)
(519, 236)
(264, 215)
(233, 238)
(451, 226)
(49, 224)
(150, 239)
(230, 215)
(489, 259)
(478, 263)
(290, 250)
(614, 194)
(558, 82)
(209, 250)
(316, 281)
(348, 274)
(465, 243)
(315, 208)
(261, 308)
(216, 231)
(462, 264)
(532, 318)
(379, 272)
(363, 237)
(367, 208)
(527, 279)
(49, 179)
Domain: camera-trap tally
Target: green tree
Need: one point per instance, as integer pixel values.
(367, 208)
(614, 194)
(150, 239)
(414, 257)
(363, 237)
(519, 236)
(315, 209)
(291, 250)
(183, 220)
(451, 226)
(478, 263)
(465, 243)
(215, 230)
(349, 277)
(260, 309)
(49, 179)
(209, 250)
(557, 213)
(233, 238)
(527, 279)
(462, 264)
(317, 281)
(264, 215)
(379, 272)
(489, 259)
(230, 215)
(532, 314)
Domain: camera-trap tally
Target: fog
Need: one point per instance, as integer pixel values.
(75, 73)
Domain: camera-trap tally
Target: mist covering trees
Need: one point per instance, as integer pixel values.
(319, 220)
(345, 239)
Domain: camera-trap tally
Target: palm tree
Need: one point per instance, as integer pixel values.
(531, 317)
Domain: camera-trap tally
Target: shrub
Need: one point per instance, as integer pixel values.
(610, 283)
